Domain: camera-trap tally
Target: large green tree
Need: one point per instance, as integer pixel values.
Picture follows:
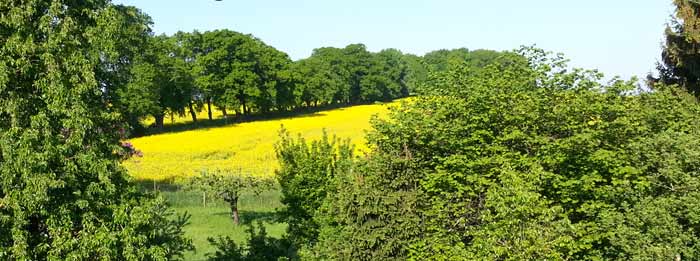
(239, 71)
(443, 59)
(416, 72)
(118, 58)
(327, 74)
(287, 87)
(352, 75)
(386, 77)
(161, 83)
(270, 66)
(186, 47)
(218, 69)
(680, 62)
(357, 63)
(319, 83)
(63, 193)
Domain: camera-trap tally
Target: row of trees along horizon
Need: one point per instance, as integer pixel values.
(190, 72)
(504, 156)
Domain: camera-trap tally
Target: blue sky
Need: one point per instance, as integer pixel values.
(618, 37)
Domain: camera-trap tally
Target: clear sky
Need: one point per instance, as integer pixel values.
(619, 37)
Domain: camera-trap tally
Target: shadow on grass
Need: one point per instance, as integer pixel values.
(248, 217)
(153, 185)
(205, 123)
(260, 246)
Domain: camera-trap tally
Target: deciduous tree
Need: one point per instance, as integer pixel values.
(229, 187)
(63, 193)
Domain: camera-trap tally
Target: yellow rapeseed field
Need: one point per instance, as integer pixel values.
(243, 147)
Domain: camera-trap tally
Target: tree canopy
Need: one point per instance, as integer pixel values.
(680, 61)
(63, 193)
(235, 72)
(519, 159)
(238, 73)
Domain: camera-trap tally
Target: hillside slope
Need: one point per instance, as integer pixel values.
(244, 147)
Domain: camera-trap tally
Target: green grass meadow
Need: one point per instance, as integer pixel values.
(215, 219)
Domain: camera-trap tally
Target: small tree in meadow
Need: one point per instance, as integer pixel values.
(229, 187)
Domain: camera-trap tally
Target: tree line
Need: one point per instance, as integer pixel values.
(190, 72)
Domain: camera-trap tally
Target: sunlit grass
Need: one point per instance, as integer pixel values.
(243, 147)
(214, 220)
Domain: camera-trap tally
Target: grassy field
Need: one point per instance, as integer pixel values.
(241, 147)
(214, 220)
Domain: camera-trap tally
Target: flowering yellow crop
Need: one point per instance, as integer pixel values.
(244, 147)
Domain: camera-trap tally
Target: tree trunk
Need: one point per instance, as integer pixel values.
(223, 110)
(234, 211)
(159, 120)
(209, 108)
(194, 115)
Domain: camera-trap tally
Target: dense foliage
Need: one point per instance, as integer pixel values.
(160, 83)
(521, 159)
(680, 59)
(63, 193)
(230, 71)
(234, 72)
(306, 176)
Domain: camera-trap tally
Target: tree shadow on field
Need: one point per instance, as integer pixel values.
(248, 217)
(205, 123)
(157, 185)
(260, 246)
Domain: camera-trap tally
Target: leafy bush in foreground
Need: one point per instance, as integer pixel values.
(306, 176)
(523, 160)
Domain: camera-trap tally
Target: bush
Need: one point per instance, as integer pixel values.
(521, 160)
(306, 176)
(260, 247)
